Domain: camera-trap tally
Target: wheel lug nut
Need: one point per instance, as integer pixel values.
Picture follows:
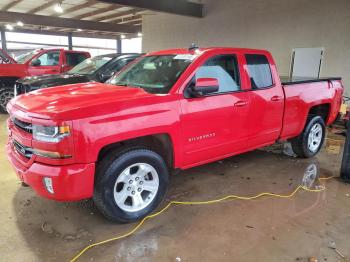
(139, 189)
(130, 181)
(141, 182)
(129, 188)
(133, 192)
(137, 178)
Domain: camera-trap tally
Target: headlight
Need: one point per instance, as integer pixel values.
(50, 133)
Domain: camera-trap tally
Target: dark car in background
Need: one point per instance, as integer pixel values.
(98, 69)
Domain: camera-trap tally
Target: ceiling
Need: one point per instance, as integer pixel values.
(81, 17)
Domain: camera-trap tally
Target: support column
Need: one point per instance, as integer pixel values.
(3, 40)
(70, 41)
(345, 165)
(119, 45)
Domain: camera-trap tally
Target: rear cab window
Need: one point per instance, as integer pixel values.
(259, 71)
(72, 59)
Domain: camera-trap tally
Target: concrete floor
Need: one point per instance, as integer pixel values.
(269, 229)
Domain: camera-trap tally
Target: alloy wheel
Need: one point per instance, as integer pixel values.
(136, 187)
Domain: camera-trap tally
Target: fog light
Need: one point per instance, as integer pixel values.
(48, 184)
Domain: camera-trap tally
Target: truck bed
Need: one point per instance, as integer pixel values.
(301, 94)
(286, 80)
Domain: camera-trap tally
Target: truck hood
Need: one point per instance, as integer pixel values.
(31, 83)
(77, 101)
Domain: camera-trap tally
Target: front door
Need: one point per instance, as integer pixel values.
(214, 126)
(47, 63)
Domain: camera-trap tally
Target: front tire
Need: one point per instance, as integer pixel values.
(310, 141)
(6, 95)
(130, 184)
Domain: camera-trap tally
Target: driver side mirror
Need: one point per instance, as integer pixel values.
(36, 62)
(205, 86)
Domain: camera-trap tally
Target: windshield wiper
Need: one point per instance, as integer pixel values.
(126, 84)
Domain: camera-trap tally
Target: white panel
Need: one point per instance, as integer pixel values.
(306, 62)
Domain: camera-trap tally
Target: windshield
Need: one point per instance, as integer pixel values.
(155, 74)
(90, 65)
(21, 59)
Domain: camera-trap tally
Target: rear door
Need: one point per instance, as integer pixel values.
(48, 62)
(214, 126)
(267, 101)
(71, 59)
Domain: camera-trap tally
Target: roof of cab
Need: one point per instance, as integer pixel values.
(181, 51)
(57, 49)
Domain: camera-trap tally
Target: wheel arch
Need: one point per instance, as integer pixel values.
(162, 144)
(322, 110)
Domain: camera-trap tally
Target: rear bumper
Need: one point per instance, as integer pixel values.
(70, 182)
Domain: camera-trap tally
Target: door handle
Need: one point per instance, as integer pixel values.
(241, 103)
(276, 98)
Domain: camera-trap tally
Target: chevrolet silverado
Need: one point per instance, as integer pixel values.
(117, 142)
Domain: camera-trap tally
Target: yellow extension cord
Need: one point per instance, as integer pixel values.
(197, 203)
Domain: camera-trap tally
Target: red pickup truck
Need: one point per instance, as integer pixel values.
(38, 62)
(174, 109)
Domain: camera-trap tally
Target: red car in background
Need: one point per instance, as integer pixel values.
(37, 62)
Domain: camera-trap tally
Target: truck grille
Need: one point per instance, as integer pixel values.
(27, 152)
(25, 126)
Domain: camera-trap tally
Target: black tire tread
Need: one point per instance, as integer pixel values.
(3, 110)
(298, 143)
(113, 155)
(102, 166)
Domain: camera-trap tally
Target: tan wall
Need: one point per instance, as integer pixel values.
(275, 25)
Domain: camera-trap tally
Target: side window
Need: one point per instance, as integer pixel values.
(225, 69)
(72, 59)
(51, 58)
(259, 71)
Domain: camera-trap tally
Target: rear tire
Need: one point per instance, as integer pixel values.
(6, 94)
(310, 141)
(130, 184)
